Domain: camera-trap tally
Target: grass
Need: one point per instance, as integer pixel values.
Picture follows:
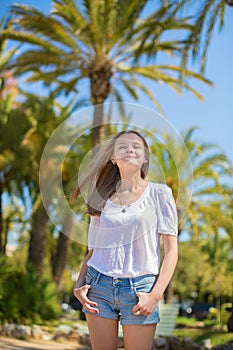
(199, 331)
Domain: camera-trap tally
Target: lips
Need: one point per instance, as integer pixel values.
(129, 157)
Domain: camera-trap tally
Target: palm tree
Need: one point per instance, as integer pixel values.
(105, 42)
(211, 168)
(209, 207)
(60, 255)
(206, 16)
(8, 91)
(45, 114)
(9, 143)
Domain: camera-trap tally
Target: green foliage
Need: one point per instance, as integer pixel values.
(199, 334)
(191, 322)
(25, 297)
(199, 278)
(224, 314)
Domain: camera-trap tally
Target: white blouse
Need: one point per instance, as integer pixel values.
(125, 239)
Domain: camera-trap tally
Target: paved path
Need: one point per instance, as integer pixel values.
(16, 344)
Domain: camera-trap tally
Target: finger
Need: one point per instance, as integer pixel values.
(91, 309)
(88, 301)
(137, 312)
(136, 309)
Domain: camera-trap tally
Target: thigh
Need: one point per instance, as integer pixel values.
(139, 337)
(103, 332)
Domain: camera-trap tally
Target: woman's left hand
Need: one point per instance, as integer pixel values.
(146, 304)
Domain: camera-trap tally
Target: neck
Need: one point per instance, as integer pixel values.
(130, 181)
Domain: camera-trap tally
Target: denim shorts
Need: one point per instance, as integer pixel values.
(116, 297)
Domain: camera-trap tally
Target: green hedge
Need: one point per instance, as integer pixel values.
(25, 297)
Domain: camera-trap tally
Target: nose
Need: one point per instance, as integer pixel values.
(129, 149)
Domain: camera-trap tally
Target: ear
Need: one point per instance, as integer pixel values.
(113, 161)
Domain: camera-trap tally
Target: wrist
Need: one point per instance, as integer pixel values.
(78, 286)
(156, 295)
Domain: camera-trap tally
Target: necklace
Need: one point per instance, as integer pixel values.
(131, 196)
(123, 210)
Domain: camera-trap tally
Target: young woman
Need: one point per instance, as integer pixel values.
(119, 278)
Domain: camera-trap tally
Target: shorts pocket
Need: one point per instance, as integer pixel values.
(145, 285)
(89, 279)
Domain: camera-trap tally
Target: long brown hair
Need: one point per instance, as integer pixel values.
(102, 176)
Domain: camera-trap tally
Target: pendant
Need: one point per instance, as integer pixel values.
(123, 210)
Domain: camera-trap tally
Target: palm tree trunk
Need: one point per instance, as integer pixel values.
(60, 259)
(38, 236)
(98, 124)
(100, 75)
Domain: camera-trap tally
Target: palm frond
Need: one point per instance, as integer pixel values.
(148, 93)
(128, 86)
(187, 73)
(204, 20)
(30, 39)
(6, 57)
(84, 39)
(155, 73)
(210, 30)
(69, 12)
(35, 21)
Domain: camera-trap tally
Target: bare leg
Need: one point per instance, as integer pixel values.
(139, 337)
(103, 332)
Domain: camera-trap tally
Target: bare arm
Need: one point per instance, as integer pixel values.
(81, 288)
(148, 301)
(83, 271)
(170, 247)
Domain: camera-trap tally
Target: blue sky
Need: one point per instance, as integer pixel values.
(214, 116)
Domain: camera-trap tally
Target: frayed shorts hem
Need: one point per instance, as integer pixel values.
(136, 320)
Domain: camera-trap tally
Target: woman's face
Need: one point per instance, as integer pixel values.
(129, 151)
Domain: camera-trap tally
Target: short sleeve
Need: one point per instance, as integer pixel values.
(167, 212)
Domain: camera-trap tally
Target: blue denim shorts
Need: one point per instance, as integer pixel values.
(116, 297)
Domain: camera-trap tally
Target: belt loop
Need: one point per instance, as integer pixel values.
(131, 283)
(98, 277)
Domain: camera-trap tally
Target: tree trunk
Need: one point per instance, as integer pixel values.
(230, 322)
(98, 125)
(100, 72)
(229, 2)
(38, 236)
(60, 259)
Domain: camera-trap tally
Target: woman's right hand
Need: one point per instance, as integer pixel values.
(81, 295)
